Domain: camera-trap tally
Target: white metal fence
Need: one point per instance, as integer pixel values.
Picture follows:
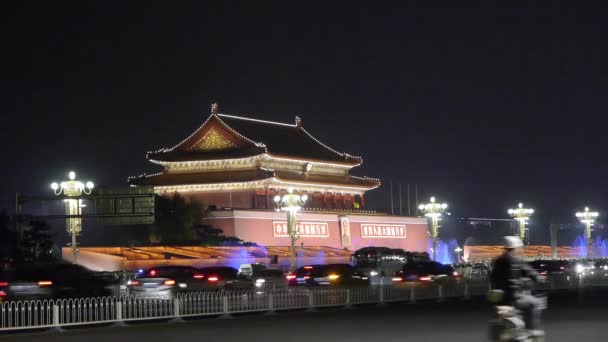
(89, 311)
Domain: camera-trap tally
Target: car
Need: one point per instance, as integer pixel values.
(261, 277)
(551, 267)
(52, 280)
(426, 273)
(165, 281)
(332, 275)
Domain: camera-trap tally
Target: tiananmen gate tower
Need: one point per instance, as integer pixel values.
(235, 165)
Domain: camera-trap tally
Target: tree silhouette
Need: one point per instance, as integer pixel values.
(176, 220)
(37, 241)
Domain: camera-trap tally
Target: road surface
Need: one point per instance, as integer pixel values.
(569, 318)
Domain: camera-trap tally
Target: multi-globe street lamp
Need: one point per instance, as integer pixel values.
(291, 203)
(521, 215)
(433, 211)
(588, 218)
(73, 207)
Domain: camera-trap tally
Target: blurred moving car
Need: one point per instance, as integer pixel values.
(426, 272)
(261, 277)
(551, 267)
(380, 263)
(54, 280)
(166, 281)
(328, 275)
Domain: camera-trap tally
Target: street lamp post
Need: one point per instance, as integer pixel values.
(73, 207)
(521, 215)
(458, 250)
(588, 218)
(291, 203)
(433, 211)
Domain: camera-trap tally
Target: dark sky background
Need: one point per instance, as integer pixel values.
(481, 105)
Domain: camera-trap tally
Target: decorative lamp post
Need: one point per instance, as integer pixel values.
(291, 203)
(588, 218)
(73, 207)
(458, 250)
(521, 215)
(433, 211)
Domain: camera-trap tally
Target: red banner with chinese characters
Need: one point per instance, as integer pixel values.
(377, 230)
(304, 229)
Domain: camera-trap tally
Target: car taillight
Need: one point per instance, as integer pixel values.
(397, 279)
(544, 273)
(133, 283)
(3, 283)
(153, 273)
(169, 282)
(425, 278)
(213, 279)
(2, 294)
(45, 283)
(308, 267)
(290, 276)
(198, 276)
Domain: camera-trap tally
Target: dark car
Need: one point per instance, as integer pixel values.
(426, 272)
(328, 275)
(165, 281)
(57, 280)
(551, 267)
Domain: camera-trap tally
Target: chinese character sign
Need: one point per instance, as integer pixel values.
(391, 231)
(304, 229)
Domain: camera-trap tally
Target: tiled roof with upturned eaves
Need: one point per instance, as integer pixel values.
(256, 137)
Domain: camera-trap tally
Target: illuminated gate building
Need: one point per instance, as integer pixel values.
(237, 165)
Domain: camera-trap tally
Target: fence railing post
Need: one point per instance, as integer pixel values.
(56, 318)
(381, 296)
(440, 293)
(120, 319)
(412, 294)
(176, 310)
(226, 306)
(467, 294)
(348, 303)
(271, 310)
(311, 300)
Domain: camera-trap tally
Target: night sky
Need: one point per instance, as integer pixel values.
(483, 106)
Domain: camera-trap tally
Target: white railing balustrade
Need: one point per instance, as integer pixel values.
(15, 315)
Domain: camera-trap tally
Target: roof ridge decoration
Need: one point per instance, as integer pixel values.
(256, 120)
(214, 114)
(298, 125)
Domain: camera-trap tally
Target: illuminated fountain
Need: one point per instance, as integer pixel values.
(445, 251)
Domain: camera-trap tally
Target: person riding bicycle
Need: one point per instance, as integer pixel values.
(510, 274)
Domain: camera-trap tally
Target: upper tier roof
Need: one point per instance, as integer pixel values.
(226, 136)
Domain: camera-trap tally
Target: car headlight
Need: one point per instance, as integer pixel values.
(579, 268)
(259, 282)
(373, 273)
